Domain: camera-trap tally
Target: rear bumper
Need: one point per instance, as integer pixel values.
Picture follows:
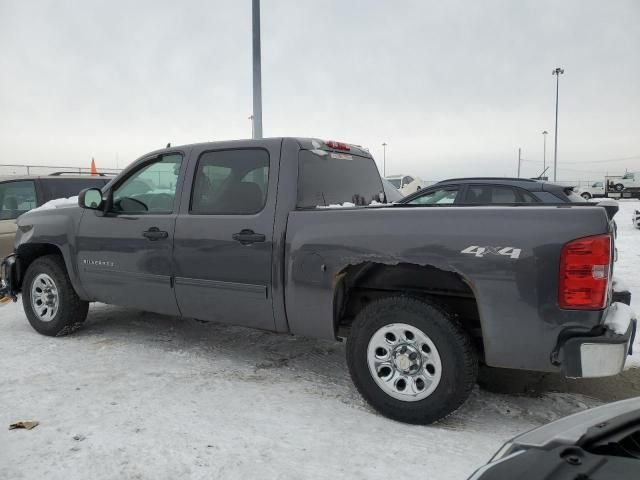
(603, 354)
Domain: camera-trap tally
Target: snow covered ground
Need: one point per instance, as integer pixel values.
(138, 395)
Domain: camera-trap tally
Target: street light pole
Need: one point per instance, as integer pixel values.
(257, 73)
(519, 160)
(544, 150)
(557, 72)
(384, 159)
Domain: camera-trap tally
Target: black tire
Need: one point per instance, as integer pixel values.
(618, 187)
(72, 311)
(586, 196)
(457, 353)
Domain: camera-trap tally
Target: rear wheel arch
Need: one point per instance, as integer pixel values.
(356, 286)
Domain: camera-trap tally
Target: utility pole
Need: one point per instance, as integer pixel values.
(519, 160)
(384, 159)
(251, 120)
(557, 72)
(544, 150)
(257, 74)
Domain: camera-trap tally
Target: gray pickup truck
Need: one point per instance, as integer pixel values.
(293, 235)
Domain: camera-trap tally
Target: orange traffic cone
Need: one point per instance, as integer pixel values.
(94, 170)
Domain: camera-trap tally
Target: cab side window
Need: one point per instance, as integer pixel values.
(230, 182)
(151, 189)
(16, 198)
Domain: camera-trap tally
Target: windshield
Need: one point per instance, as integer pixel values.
(336, 178)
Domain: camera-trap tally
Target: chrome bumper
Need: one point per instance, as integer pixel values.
(605, 354)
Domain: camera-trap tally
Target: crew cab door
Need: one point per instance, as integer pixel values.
(124, 253)
(224, 235)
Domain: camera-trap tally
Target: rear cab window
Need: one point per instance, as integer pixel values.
(330, 179)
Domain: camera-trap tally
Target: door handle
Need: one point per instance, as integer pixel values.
(247, 237)
(154, 233)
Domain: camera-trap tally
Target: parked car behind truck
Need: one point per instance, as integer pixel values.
(237, 236)
(21, 194)
(493, 190)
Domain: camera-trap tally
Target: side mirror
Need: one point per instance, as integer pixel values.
(91, 198)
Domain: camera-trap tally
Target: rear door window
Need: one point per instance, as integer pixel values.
(231, 182)
(17, 198)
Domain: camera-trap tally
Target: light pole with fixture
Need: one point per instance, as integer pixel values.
(557, 72)
(257, 73)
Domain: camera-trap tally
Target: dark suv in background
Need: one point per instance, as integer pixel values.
(493, 190)
(21, 194)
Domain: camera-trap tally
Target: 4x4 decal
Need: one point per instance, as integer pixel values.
(478, 251)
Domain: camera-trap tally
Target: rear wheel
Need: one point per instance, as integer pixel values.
(618, 187)
(410, 360)
(586, 195)
(51, 304)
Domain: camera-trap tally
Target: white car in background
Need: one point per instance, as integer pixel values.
(596, 190)
(407, 184)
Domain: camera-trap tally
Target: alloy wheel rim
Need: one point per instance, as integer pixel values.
(404, 362)
(45, 298)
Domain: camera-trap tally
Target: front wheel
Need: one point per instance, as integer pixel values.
(410, 360)
(51, 304)
(586, 195)
(618, 187)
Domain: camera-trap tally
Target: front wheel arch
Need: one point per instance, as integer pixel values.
(27, 253)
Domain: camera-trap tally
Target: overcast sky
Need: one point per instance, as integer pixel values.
(453, 87)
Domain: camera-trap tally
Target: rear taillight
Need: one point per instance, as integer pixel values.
(337, 145)
(585, 266)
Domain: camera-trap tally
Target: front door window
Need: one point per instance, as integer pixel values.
(151, 189)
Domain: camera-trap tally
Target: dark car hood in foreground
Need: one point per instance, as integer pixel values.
(599, 443)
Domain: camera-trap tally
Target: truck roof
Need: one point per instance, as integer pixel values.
(306, 143)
